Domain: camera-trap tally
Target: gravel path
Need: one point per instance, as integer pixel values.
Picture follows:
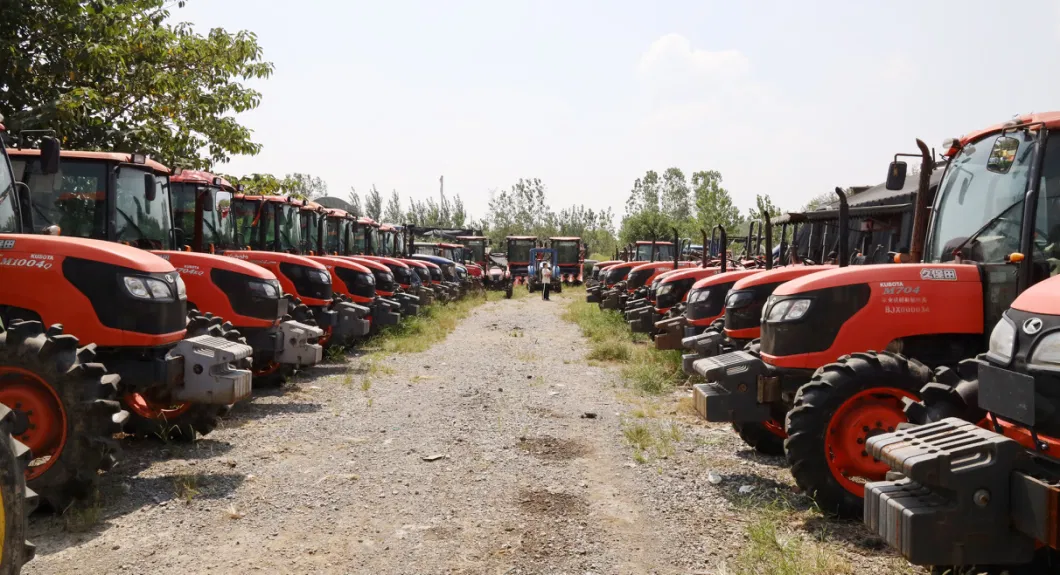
(496, 451)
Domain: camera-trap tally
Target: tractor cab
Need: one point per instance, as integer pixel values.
(647, 251)
(570, 256)
(518, 255)
(538, 256)
(312, 218)
(366, 237)
(474, 249)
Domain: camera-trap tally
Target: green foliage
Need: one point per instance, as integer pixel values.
(393, 213)
(763, 205)
(120, 76)
(305, 186)
(373, 204)
(258, 184)
(355, 203)
(523, 210)
(713, 203)
(820, 201)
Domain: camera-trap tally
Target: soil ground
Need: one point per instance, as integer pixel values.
(500, 450)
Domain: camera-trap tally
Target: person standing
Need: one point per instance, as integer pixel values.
(546, 279)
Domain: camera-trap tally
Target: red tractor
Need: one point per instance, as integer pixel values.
(130, 302)
(992, 227)
(571, 255)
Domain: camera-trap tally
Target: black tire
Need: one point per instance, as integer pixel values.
(189, 421)
(953, 393)
(754, 347)
(16, 501)
(718, 325)
(759, 437)
(85, 393)
(818, 401)
(508, 291)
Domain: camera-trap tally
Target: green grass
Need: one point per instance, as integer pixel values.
(645, 369)
(434, 323)
(772, 550)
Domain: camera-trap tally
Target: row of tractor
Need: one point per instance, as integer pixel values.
(922, 395)
(139, 301)
(521, 263)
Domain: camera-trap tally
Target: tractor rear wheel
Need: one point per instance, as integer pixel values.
(16, 501)
(182, 421)
(64, 410)
(845, 403)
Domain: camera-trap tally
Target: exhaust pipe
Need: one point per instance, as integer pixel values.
(721, 248)
(844, 229)
(769, 242)
(677, 251)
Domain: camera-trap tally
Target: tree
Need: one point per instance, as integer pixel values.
(119, 76)
(819, 201)
(355, 203)
(763, 205)
(305, 186)
(393, 214)
(675, 196)
(373, 204)
(459, 215)
(258, 184)
(713, 203)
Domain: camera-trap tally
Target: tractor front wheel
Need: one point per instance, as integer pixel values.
(63, 409)
(16, 502)
(846, 403)
(182, 421)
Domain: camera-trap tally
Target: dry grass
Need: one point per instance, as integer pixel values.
(772, 550)
(434, 323)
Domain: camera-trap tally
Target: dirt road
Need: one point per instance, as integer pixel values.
(496, 451)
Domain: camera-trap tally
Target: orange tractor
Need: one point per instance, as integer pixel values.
(128, 301)
(991, 234)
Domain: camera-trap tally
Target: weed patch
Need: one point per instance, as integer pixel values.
(434, 323)
(774, 552)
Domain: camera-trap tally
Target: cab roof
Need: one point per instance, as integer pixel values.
(566, 239)
(521, 238)
(471, 237)
(106, 156)
(200, 177)
(276, 199)
(336, 212)
(658, 243)
(367, 221)
(1050, 119)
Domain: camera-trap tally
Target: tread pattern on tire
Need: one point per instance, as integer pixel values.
(19, 500)
(89, 397)
(815, 404)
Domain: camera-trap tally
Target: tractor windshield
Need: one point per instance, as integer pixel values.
(73, 199)
(387, 243)
(290, 227)
(335, 236)
(519, 251)
(426, 249)
(373, 239)
(142, 208)
(8, 211)
(981, 203)
(246, 216)
(218, 225)
(455, 254)
(358, 239)
(662, 252)
(477, 249)
(567, 251)
(309, 222)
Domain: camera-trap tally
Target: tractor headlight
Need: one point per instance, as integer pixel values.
(697, 295)
(738, 299)
(265, 289)
(1046, 353)
(147, 288)
(182, 290)
(788, 310)
(664, 289)
(321, 276)
(1003, 342)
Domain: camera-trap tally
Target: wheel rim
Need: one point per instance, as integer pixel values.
(268, 369)
(776, 428)
(868, 413)
(40, 420)
(148, 409)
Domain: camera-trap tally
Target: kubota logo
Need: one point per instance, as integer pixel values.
(1032, 326)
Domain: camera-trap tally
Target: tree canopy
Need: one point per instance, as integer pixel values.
(120, 76)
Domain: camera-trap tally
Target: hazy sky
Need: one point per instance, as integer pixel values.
(786, 98)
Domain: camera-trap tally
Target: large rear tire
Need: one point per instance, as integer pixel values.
(16, 501)
(844, 404)
(182, 421)
(64, 410)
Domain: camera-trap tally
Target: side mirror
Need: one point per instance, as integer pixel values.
(896, 175)
(150, 191)
(49, 155)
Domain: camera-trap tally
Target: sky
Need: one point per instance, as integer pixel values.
(789, 99)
